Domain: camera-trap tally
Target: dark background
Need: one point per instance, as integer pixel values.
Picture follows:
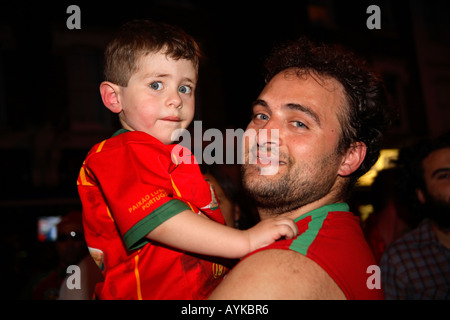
(51, 113)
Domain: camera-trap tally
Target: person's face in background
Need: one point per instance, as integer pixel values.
(229, 209)
(436, 197)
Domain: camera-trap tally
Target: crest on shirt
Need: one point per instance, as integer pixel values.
(218, 270)
(97, 255)
(214, 204)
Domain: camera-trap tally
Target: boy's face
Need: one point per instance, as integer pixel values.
(159, 97)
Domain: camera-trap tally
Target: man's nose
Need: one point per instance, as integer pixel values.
(268, 137)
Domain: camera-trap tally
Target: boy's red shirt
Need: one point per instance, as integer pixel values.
(129, 184)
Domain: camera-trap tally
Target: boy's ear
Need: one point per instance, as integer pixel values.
(353, 159)
(110, 96)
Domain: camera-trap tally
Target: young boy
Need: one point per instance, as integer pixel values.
(150, 220)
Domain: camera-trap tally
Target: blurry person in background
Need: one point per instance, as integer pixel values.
(390, 218)
(417, 265)
(71, 248)
(235, 205)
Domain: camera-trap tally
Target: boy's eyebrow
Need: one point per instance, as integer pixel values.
(166, 75)
(292, 106)
(189, 80)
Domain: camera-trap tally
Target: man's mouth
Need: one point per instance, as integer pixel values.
(267, 158)
(269, 161)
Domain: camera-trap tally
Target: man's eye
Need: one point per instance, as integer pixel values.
(185, 89)
(157, 85)
(298, 124)
(443, 176)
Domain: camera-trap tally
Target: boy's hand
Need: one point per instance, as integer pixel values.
(269, 230)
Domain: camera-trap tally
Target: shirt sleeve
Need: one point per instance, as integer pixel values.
(190, 185)
(134, 179)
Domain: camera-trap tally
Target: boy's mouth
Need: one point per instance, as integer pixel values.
(171, 119)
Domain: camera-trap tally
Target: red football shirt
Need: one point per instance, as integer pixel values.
(129, 184)
(332, 237)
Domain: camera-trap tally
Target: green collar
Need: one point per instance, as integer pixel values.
(342, 206)
(119, 132)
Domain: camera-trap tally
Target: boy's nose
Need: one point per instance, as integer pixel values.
(174, 100)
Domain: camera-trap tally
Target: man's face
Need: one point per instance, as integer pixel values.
(304, 110)
(436, 169)
(159, 97)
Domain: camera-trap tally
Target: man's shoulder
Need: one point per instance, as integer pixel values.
(278, 274)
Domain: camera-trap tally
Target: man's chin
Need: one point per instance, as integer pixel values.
(439, 212)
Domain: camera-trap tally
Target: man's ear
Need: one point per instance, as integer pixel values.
(110, 96)
(421, 196)
(353, 158)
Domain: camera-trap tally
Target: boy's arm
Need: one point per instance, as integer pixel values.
(191, 232)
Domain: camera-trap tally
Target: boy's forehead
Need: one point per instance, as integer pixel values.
(161, 63)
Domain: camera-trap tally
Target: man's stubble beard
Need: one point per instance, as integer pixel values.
(437, 210)
(291, 189)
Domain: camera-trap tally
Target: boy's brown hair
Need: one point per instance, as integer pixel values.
(138, 38)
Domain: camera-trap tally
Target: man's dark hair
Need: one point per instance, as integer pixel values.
(364, 118)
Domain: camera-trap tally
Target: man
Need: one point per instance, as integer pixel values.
(417, 265)
(328, 112)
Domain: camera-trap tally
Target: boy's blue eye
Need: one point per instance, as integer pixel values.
(185, 89)
(157, 85)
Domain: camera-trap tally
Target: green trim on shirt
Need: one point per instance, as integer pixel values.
(119, 132)
(302, 243)
(135, 238)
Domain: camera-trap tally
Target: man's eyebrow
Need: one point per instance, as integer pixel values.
(306, 110)
(440, 170)
(293, 106)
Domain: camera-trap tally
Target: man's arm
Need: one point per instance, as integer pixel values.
(277, 274)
